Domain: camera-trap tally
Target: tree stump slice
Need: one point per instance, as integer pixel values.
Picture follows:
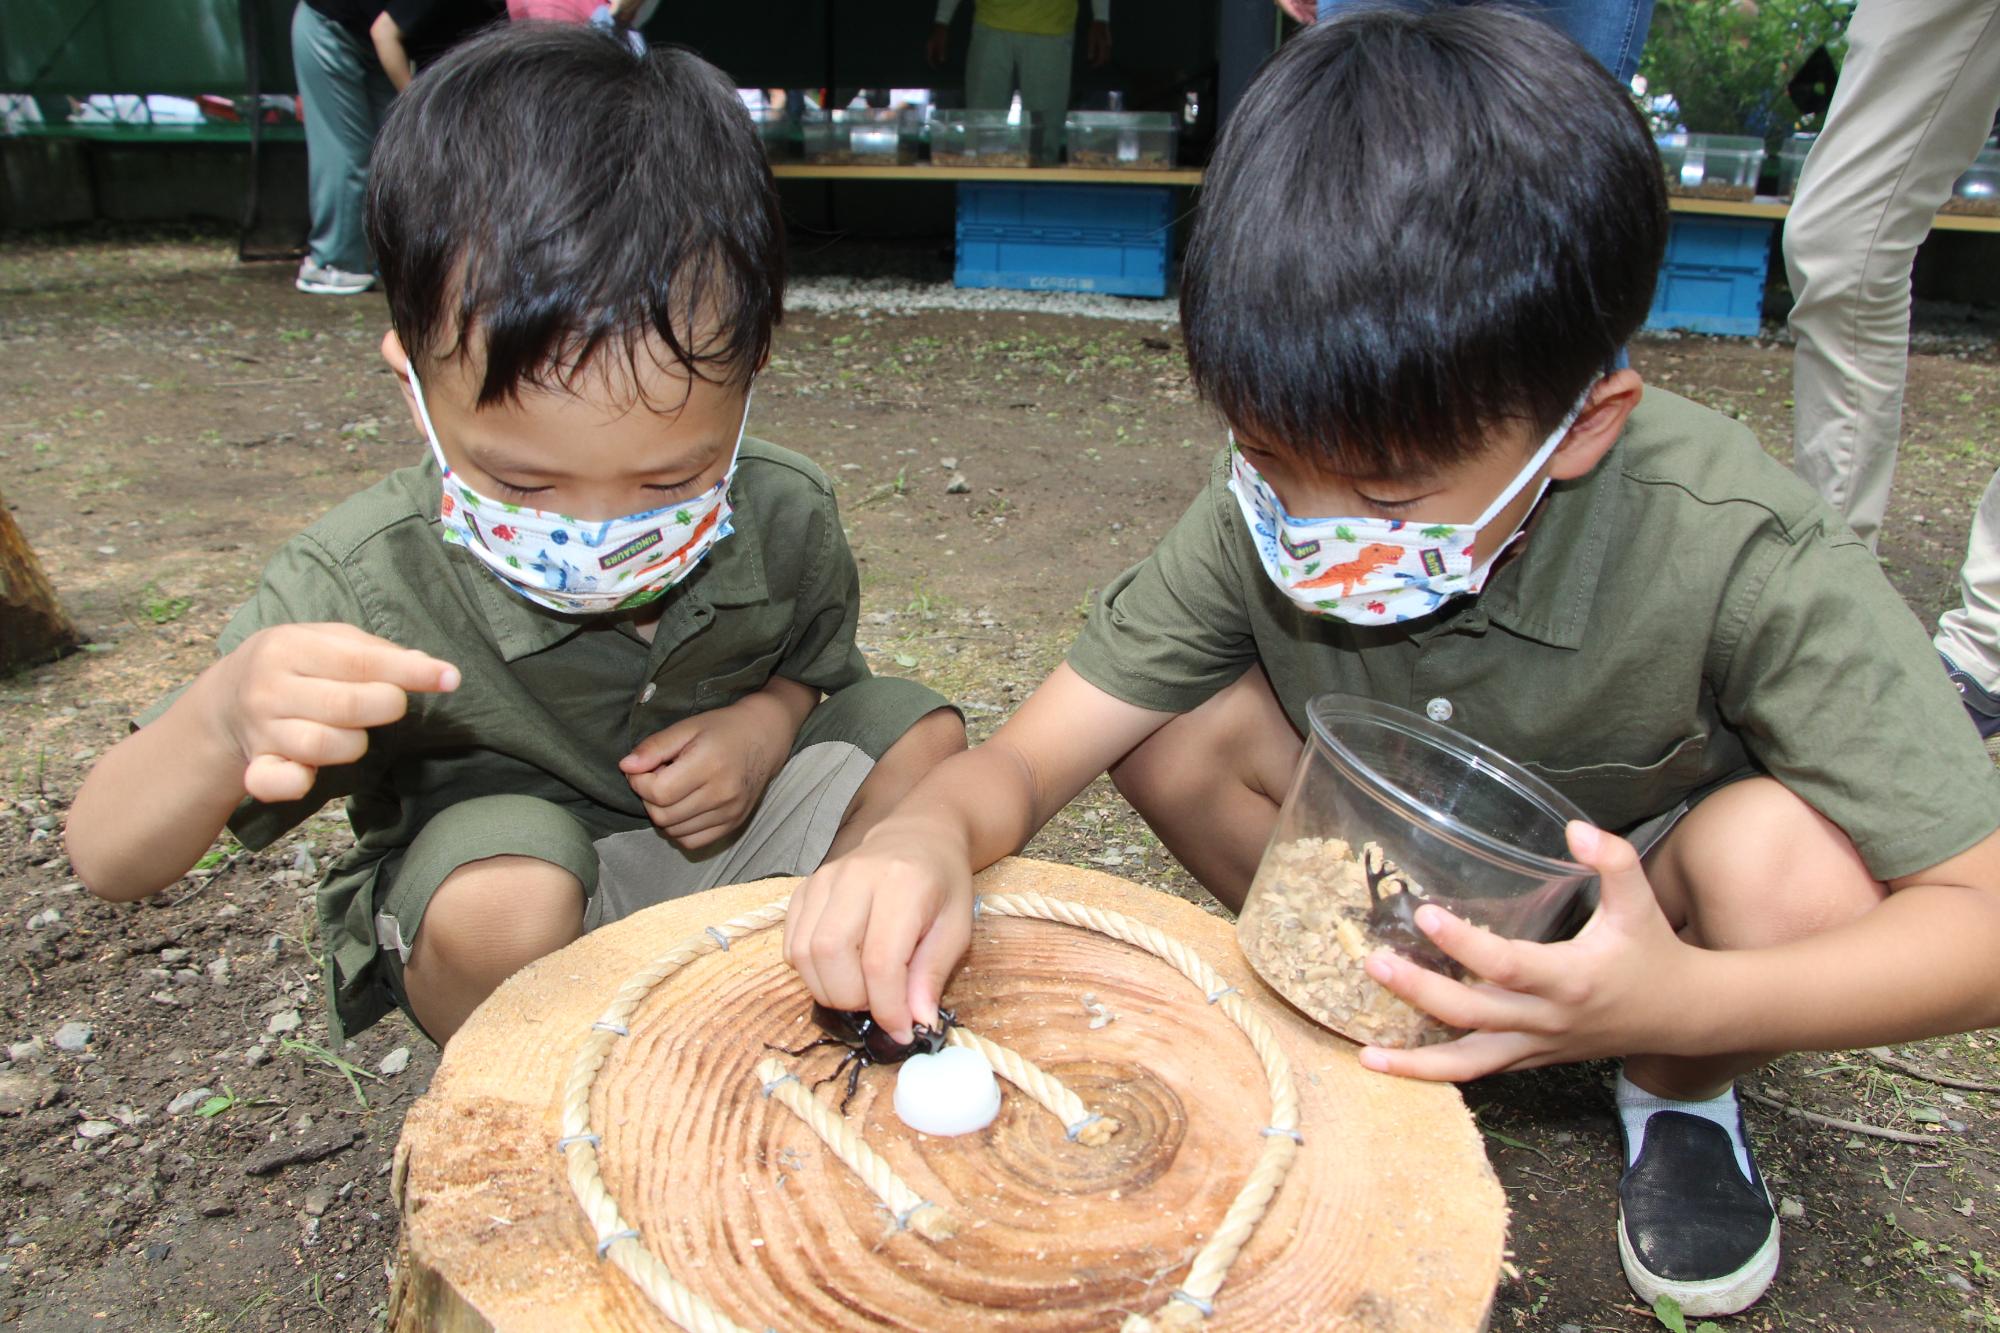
(33, 627)
(1390, 1217)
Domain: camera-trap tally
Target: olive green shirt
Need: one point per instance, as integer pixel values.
(547, 703)
(1686, 612)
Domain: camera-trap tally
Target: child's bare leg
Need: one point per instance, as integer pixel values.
(1210, 782)
(936, 737)
(487, 921)
(1751, 866)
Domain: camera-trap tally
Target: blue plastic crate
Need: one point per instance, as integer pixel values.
(1713, 277)
(1078, 238)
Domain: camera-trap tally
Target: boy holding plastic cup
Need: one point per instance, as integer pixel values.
(1423, 241)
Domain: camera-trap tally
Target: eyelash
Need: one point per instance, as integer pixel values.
(1388, 506)
(512, 491)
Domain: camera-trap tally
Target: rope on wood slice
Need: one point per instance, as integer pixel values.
(1185, 1308)
(1194, 1300)
(617, 1240)
(905, 1205)
(1078, 1121)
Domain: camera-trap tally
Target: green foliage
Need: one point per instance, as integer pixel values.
(1725, 63)
(1668, 1311)
(160, 608)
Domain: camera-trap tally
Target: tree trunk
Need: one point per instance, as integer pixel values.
(33, 628)
(1388, 1219)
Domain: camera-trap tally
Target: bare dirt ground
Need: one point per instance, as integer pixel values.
(203, 1161)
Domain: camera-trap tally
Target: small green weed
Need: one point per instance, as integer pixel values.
(160, 608)
(1668, 1311)
(347, 1069)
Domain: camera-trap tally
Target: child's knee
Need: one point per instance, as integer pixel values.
(497, 915)
(1239, 740)
(1757, 866)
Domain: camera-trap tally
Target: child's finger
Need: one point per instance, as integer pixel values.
(1509, 964)
(662, 747)
(1474, 1055)
(1622, 883)
(358, 655)
(1450, 1001)
(677, 798)
(313, 744)
(705, 828)
(808, 900)
(885, 968)
(836, 946)
(271, 777)
(676, 787)
(352, 705)
(931, 966)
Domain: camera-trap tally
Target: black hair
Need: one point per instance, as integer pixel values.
(549, 191)
(1419, 224)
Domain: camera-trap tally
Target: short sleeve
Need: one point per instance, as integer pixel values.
(1838, 694)
(1175, 628)
(823, 653)
(300, 585)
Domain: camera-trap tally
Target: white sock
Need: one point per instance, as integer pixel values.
(1636, 1106)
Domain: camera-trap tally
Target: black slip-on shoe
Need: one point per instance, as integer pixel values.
(1689, 1225)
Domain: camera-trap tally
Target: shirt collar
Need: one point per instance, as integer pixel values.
(1545, 592)
(731, 574)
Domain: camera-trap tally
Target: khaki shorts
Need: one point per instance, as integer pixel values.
(787, 834)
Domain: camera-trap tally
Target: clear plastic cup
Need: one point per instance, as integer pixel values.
(1389, 810)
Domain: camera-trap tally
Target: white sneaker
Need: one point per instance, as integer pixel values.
(330, 281)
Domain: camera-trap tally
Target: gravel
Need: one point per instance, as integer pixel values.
(188, 1100)
(73, 1036)
(829, 295)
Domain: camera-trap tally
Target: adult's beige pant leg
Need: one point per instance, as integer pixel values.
(1916, 99)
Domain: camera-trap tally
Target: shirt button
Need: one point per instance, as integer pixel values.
(1438, 710)
(646, 696)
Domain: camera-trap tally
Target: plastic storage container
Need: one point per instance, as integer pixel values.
(1711, 166)
(1389, 806)
(1713, 277)
(1792, 161)
(1128, 140)
(1077, 238)
(1978, 190)
(874, 137)
(985, 139)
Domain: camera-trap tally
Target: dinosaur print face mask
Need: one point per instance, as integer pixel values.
(1372, 571)
(582, 567)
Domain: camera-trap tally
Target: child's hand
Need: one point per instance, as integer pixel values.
(293, 699)
(881, 928)
(701, 777)
(1602, 993)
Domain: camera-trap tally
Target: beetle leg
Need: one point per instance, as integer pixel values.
(852, 1057)
(853, 1084)
(809, 1046)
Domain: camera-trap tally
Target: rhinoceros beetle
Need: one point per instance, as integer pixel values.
(867, 1043)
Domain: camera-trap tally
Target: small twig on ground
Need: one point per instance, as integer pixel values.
(1883, 1055)
(1835, 1122)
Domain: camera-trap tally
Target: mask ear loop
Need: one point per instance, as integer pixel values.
(1477, 578)
(424, 415)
